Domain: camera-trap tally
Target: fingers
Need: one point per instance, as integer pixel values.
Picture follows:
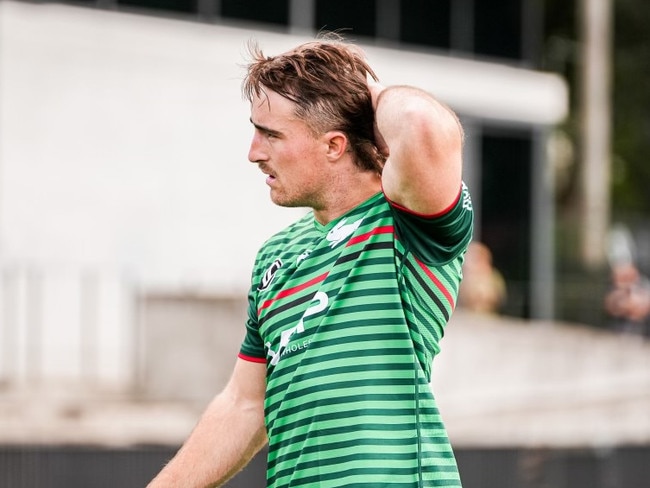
(375, 90)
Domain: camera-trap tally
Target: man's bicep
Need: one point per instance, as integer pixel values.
(247, 382)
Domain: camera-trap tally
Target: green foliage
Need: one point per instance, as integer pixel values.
(630, 91)
(631, 86)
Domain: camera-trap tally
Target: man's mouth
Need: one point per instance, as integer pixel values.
(270, 177)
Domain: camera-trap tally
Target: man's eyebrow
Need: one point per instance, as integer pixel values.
(264, 129)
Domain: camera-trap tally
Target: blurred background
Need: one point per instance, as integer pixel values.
(130, 218)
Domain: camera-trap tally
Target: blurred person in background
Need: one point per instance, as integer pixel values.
(347, 306)
(483, 288)
(628, 300)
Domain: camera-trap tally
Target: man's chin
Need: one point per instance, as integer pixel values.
(282, 201)
(279, 200)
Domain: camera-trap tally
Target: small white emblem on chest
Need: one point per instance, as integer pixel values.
(342, 231)
(303, 256)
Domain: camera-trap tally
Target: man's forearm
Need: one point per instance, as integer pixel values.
(221, 444)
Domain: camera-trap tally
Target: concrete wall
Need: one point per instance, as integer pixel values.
(124, 144)
(124, 138)
(59, 322)
(188, 345)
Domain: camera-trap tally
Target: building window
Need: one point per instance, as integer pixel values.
(498, 28)
(426, 22)
(179, 6)
(269, 11)
(351, 18)
(506, 159)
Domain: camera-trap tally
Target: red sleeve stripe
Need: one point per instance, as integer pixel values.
(438, 283)
(251, 358)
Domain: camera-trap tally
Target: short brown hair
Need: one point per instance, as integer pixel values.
(327, 80)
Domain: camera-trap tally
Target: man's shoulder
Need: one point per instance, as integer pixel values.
(290, 232)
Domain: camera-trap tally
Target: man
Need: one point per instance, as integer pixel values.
(347, 306)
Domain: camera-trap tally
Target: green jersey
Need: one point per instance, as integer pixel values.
(348, 317)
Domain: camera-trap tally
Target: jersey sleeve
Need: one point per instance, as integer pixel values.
(252, 347)
(437, 239)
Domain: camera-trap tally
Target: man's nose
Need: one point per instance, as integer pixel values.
(256, 154)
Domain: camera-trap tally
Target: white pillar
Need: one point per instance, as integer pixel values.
(595, 113)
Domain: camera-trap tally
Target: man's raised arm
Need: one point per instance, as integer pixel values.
(423, 139)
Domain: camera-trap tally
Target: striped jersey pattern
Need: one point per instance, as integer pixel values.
(347, 318)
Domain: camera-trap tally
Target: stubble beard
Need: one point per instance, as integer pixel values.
(283, 199)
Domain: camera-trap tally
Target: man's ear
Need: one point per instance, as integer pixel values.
(337, 144)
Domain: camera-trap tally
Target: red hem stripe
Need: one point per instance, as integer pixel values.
(428, 216)
(251, 358)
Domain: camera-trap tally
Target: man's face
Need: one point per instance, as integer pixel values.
(287, 152)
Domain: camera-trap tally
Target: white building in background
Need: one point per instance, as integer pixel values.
(123, 167)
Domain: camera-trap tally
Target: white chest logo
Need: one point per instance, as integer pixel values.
(342, 231)
(321, 300)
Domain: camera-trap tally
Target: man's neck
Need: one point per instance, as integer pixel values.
(356, 192)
